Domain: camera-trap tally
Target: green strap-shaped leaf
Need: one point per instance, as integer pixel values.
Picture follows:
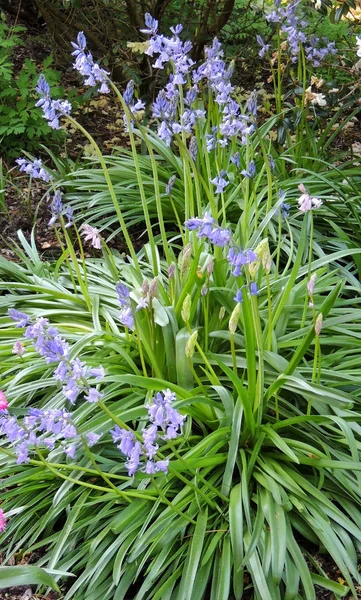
(25, 575)
(193, 558)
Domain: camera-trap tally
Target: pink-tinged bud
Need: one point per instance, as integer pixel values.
(2, 521)
(3, 402)
(311, 284)
(171, 270)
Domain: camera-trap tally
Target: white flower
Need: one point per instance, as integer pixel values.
(307, 202)
(315, 98)
(358, 44)
(91, 234)
(319, 99)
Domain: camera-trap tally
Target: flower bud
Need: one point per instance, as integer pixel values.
(3, 402)
(311, 284)
(210, 266)
(153, 287)
(145, 287)
(264, 254)
(190, 345)
(319, 324)
(171, 270)
(186, 308)
(222, 312)
(185, 258)
(233, 321)
(204, 290)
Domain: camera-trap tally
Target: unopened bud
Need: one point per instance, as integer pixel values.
(3, 401)
(153, 287)
(191, 344)
(311, 284)
(222, 312)
(319, 324)
(186, 308)
(233, 321)
(210, 266)
(185, 258)
(204, 290)
(171, 270)
(264, 254)
(145, 287)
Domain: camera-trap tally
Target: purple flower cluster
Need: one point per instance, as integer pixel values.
(293, 26)
(170, 50)
(39, 428)
(126, 314)
(33, 168)
(316, 54)
(165, 424)
(90, 70)
(206, 228)
(218, 77)
(52, 109)
(57, 209)
(71, 372)
(134, 105)
(238, 258)
(214, 72)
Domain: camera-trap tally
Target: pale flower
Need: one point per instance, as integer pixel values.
(315, 98)
(358, 44)
(307, 202)
(92, 235)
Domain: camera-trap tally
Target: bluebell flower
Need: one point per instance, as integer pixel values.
(41, 427)
(220, 182)
(250, 171)
(56, 207)
(210, 142)
(35, 169)
(253, 289)
(52, 109)
(193, 148)
(129, 92)
(170, 184)
(239, 258)
(265, 48)
(92, 438)
(93, 395)
(239, 296)
(235, 159)
(86, 66)
(220, 237)
(150, 24)
(73, 373)
(126, 318)
(252, 104)
(21, 319)
(165, 423)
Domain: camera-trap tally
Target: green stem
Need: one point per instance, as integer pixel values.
(110, 187)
